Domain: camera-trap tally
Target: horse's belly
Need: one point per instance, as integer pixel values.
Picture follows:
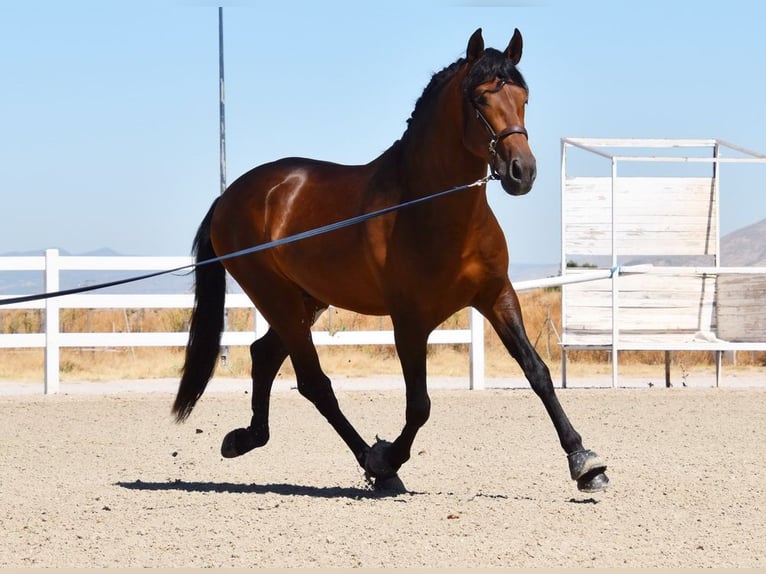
(338, 277)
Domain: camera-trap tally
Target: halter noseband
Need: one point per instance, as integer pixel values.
(497, 137)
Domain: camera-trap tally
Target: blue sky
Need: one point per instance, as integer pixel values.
(109, 110)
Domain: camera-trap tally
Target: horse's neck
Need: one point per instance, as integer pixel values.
(427, 166)
(423, 164)
(433, 154)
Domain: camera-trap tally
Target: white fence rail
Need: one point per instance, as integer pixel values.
(51, 339)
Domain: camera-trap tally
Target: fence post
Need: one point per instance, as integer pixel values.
(476, 362)
(51, 322)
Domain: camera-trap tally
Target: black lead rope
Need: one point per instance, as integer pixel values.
(256, 248)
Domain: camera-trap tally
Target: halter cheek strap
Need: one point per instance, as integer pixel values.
(497, 137)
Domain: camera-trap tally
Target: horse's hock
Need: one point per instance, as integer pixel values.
(660, 236)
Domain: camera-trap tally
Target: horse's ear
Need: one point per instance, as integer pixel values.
(513, 51)
(475, 46)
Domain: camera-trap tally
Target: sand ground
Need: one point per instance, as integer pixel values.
(102, 477)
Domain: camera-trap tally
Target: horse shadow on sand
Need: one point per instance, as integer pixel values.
(329, 492)
(352, 492)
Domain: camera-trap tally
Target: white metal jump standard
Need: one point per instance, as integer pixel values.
(647, 306)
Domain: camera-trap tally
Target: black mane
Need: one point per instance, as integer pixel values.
(434, 87)
(492, 64)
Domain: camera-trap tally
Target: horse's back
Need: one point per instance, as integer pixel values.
(279, 198)
(295, 195)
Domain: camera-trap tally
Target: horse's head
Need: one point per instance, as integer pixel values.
(495, 96)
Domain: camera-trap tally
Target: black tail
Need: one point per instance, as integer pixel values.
(207, 322)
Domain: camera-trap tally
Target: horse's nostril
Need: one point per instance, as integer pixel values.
(516, 171)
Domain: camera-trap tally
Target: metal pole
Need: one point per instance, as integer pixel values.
(717, 215)
(222, 132)
(563, 268)
(615, 279)
(222, 101)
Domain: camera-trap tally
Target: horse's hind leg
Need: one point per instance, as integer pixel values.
(291, 313)
(267, 354)
(504, 312)
(316, 387)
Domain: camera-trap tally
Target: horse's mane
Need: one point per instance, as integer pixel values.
(438, 80)
(492, 64)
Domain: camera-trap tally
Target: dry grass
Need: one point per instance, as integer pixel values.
(542, 316)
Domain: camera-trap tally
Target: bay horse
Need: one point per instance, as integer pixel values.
(419, 265)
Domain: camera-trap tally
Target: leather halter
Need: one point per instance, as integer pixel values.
(497, 136)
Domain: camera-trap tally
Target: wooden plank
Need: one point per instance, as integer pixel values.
(646, 303)
(653, 216)
(741, 310)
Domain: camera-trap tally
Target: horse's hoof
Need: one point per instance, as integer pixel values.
(585, 462)
(390, 485)
(233, 444)
(241, 441)
(595, 481)
(376, 465)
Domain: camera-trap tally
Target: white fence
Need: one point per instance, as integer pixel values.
(52, 339)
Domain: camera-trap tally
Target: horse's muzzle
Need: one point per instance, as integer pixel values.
(516, 176)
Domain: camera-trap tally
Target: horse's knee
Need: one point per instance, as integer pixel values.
(418, 411)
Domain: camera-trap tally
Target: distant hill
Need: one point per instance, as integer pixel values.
(745, 246)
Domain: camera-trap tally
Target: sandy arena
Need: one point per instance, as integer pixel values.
(110, 480)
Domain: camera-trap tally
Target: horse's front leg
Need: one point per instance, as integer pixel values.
(503, 311)
(384, 458)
